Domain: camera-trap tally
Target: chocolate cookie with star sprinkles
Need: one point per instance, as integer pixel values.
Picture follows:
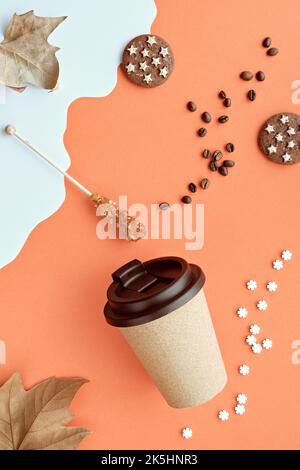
(279, 138)
(148, 60)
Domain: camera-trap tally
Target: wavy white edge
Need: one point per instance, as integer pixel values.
(30, 191)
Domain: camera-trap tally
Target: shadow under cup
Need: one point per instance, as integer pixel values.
(161, 310)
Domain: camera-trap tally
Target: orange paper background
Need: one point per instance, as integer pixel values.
(143, 143)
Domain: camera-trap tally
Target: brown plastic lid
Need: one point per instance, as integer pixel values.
(143, 292)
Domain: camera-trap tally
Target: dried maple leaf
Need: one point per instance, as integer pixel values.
(26, 57)
(36, 419)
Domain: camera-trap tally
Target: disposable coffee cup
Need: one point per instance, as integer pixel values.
(161, 310)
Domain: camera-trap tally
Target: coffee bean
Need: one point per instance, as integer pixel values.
(267, 42)
(260, 76)
(227, 103)
(206, 153)
(223, 170)
(202, 132)
(251, 95)
(246, 75)
(204, 184)
(222, 95)
(228, 163)
(213, 166)
(186, 199)
(229, 147)
(192, 187)
(191, 106)
(217, 155)
(164, 206)
(206, 117)
(223, 119)
(273, 51)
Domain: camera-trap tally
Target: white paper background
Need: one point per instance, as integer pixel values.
(91, 42)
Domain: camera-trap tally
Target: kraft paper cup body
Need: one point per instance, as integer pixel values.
(181, 354)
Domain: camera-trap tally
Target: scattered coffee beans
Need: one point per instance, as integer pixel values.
(228, 163)
(246, 75)
(227, 102)
(206, 153)
(223, 119)
(164, 206)
(206, 117)
(222, 95)
(260, 76)
(267, 42)
(204, 183)
(186, 199)
(251, 95)
(191, 106)
(213, 166)
(273, 51)
(192, 187)
(229, 147)
(202, 132)
(223, 170)
(217, 155)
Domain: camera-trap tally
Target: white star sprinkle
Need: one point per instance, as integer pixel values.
(291, 131)
(262, 305)
(244, 369)
(287, 157)
(279, 137)
(284, 119)
(251, 340)
(242, 398)
(164, 72)
(272, 149)
(251, 285)
(291, 144)
(145, 52)
(144, 65)
(223, 415)
(254, 329)
(257, 348)
(164, 51)
(240, 409)
(148, 78)
(286, 255)
(130, 68)
(277, 264)
(267, 343)
(272, 286)
(187, 433)
(151, 40)
(156, 61)
(132, 50)
(242, 312)
(270, 129)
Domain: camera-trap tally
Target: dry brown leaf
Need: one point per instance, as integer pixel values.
(36, 419)
(26, 57)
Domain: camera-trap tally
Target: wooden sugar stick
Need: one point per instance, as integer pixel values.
(135, 230)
